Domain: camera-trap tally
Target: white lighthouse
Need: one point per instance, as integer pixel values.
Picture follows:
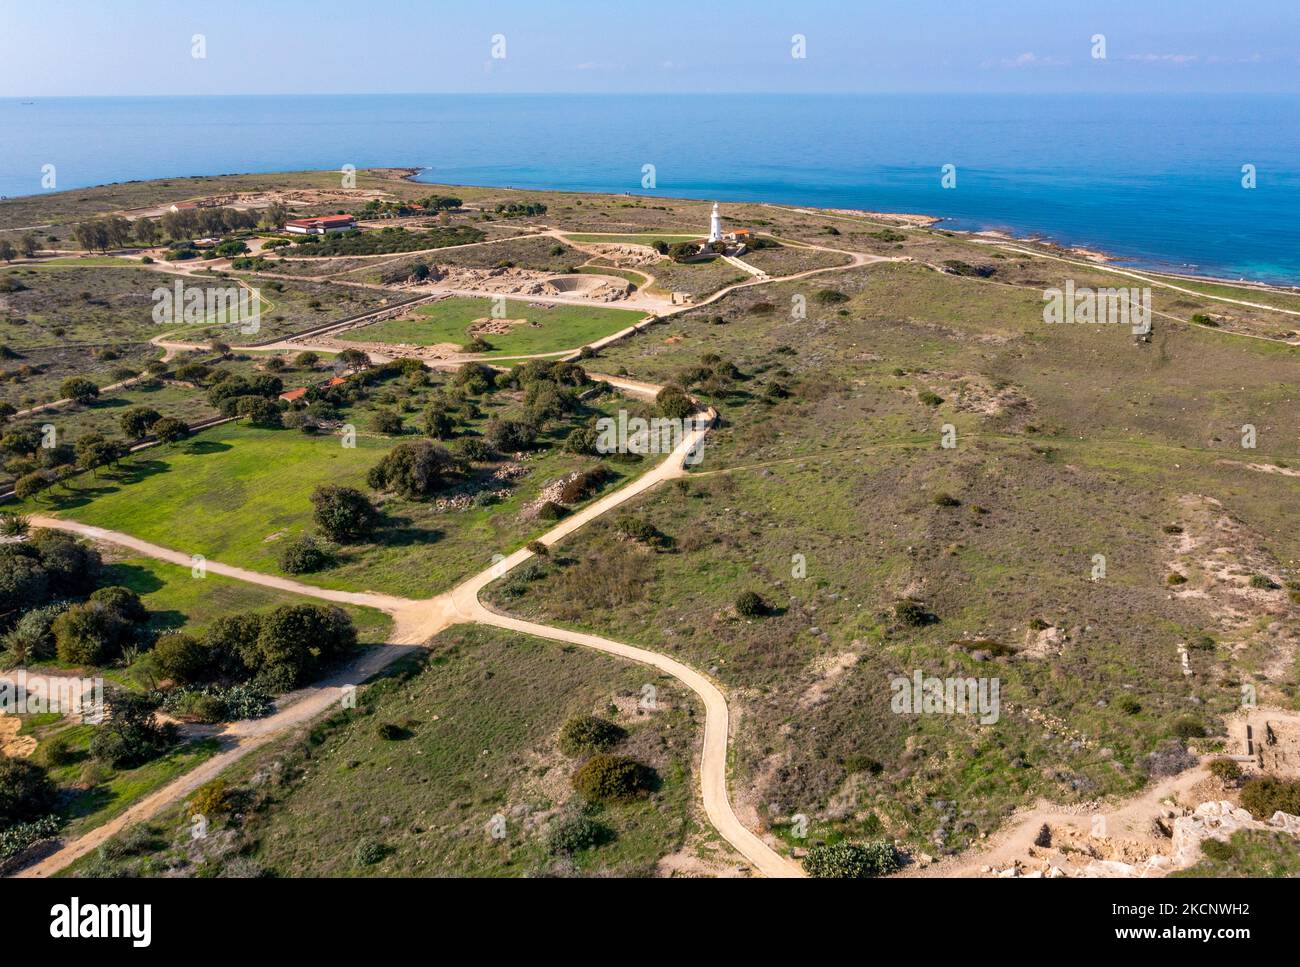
(715, 225)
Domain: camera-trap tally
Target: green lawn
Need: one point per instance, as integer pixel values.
(550, 328)
(95, 793)
(222, 493)
(234, 494)
(177, 601)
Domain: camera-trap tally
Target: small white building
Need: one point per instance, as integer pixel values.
(324, 225)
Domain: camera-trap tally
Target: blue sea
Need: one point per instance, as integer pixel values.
(1153, 179)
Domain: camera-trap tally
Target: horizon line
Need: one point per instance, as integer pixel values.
(692, 94)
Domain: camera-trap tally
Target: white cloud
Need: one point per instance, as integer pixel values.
(1250, 59)
(1027, 59)
(1164, 58)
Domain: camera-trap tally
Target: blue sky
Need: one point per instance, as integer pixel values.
(77, 47)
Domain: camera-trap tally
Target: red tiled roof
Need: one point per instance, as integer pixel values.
(324, 220)
(294, 394)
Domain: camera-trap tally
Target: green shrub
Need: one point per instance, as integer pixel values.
(57, 751)
(1263, 582)
(26, 792)
(386, 421)
(584, 485)
(125, 602)
(913, 614)
(31, 638)
(1189, 728)
(476, 449)
(368, 853)
(89, 634)
(183, 659)
(830, 297)
(750, 604)
(1264, 796)
(852, 861)
(637, 529)
(210, 800)
(218, 703)
(1175, 579)
(303, 555)
(585, 734)
(672, 402)
(577, 833)
(550, 511)
(343, 514)
(198, 707)
(414, 470)
(1128, 704)
(132, 736)
(929, 398)
(1217, 849)
(945, 499)
(510, 436)
(611, 778)
(1225, 769)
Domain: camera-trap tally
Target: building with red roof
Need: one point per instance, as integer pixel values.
(324, 225)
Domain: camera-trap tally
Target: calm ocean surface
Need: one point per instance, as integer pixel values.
(1151, 179)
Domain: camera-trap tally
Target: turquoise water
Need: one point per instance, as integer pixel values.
(1152, 179)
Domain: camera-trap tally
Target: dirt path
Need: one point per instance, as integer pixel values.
(415, 622)
(1129, 820)
(713, 759)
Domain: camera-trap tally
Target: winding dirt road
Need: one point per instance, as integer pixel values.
(415, 622)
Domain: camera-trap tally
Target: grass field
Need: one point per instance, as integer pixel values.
(177, 601)
(550, 328)
(792, 259)
(93, 793)
(475, 726)
(1073, 441)
(697, 278)
(235, 493)
(221, 493)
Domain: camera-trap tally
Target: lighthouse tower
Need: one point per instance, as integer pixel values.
(715, 225)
